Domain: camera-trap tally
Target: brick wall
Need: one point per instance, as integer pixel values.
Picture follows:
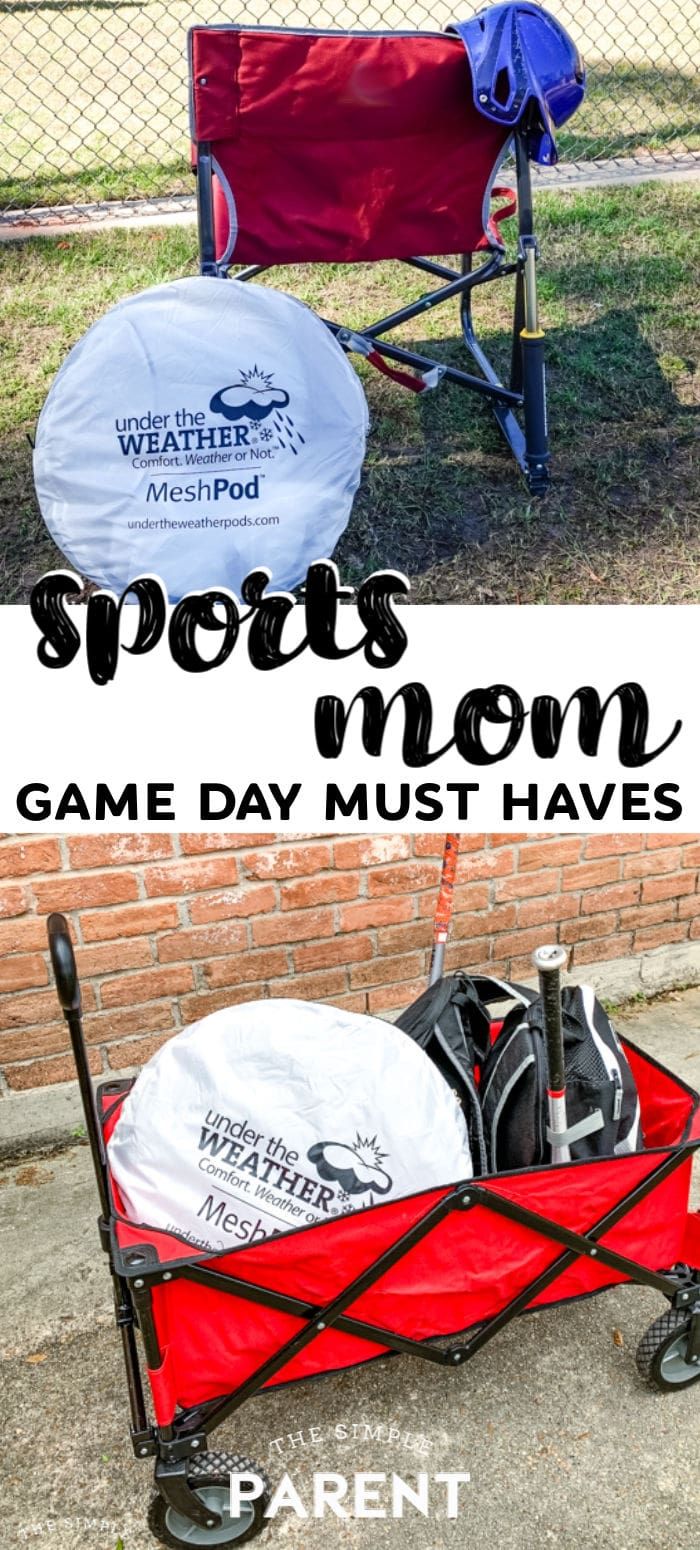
(169, 927)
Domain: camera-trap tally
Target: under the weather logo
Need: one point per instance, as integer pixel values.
(255, 397)
(357, 1168)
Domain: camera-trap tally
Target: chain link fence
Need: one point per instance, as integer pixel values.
(93, 93)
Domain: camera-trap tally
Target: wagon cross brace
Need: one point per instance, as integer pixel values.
(679, 1285)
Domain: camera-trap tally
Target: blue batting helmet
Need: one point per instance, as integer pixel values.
(523, 59)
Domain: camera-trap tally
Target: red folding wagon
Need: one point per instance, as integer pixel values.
(459, 1261)
(350, 147)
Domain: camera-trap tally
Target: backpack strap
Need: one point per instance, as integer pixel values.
(447, 1021)
(491, 990)
(584, 1127)
(420, 1017)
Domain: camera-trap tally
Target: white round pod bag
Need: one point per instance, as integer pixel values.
(200, 430)
(277, 1114)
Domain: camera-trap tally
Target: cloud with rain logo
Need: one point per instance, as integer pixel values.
(357, 1169)
(256, 398)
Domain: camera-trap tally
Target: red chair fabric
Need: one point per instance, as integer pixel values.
(342, 147)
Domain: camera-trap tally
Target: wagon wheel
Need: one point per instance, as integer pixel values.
(209, 1478)
(662, 1352)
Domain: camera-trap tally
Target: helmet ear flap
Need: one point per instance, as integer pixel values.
(504, 87)
(500, 79)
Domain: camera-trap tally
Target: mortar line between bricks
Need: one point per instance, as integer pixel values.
(30, 1028)
(135, 866)
(616, 931)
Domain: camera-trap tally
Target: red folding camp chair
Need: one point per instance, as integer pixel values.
(218, 1328)
(336, 147)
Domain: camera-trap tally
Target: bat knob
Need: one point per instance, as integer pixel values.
(549, 960)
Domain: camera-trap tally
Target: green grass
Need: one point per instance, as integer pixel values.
(97, 182)
(440, 497)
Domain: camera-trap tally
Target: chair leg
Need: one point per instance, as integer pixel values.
(505, 416)
(516, 359)
(533, 379)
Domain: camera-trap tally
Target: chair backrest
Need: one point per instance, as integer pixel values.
(334, 146)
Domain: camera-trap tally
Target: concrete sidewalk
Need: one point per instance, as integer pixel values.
(563, 1443)
(181, 209)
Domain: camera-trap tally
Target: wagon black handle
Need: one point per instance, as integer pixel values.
(68, 988)
(63, 963)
